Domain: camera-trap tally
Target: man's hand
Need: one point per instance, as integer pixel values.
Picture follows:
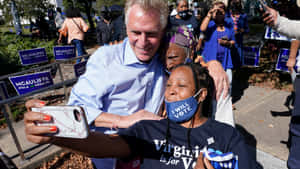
(290, 64)
(203, 163)
(34, 133)
(127, 121)
(221, 81)
(270, 16)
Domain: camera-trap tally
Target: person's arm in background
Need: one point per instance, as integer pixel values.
(293, 54)
(63, 31)
(207, 19)
(245, 27)
(281, 24)
(84, 25)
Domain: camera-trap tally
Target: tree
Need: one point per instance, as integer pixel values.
(108, 3)
(27, 9)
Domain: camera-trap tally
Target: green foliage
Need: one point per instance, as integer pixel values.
(101, 3)
(10, 44)
(26, 8)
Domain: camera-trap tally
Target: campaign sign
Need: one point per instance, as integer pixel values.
(79, 68)
(33, 56)
(31, 82)
(272, 34)
(4, 90)
(282, 60)
(251, 56)
(64, 52)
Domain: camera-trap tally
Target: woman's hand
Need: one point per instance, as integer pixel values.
(203, 163)
(226, 43)
(212, 12)
(35, 133)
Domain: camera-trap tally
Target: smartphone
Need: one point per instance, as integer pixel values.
(225, 38)
(262, 6)
(70, 120)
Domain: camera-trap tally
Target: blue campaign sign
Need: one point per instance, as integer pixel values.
(79, 68)
(272, 34)
(251, 56)
(4, 90)
(33, 56)
(64, 52)
(31, 82)
(283, 57)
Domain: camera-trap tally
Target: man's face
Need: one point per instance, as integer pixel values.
(175, 55)
(144, 32)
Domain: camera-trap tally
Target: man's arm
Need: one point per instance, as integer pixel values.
(293, 54)
(220, 78)
(90, 92)
(116, 121)
(281, 24)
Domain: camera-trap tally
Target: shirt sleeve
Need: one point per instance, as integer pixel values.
(130, 135)
(92, 86)
(85, 27)
(288, 27)
(64, 29)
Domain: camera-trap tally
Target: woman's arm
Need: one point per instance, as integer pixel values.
(207, 19)
(95, 145)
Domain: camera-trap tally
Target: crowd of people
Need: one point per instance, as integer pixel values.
(164, 90)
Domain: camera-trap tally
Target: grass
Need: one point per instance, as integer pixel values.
(6, 28)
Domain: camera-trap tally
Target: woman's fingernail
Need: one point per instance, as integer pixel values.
(42, 103)
(53, 128)
(47, 118)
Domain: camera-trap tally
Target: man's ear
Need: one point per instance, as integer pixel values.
(202, 95)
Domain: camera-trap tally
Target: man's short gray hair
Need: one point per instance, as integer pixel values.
(160, 5)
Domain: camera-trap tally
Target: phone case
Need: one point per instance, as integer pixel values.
(70, 120)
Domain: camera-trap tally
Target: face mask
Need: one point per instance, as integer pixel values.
(183, 110)
(183, 14)
(235, 7)
(106, 16)
(219, 19)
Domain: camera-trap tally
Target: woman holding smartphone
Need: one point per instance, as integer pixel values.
(175, 142)
(219, 37)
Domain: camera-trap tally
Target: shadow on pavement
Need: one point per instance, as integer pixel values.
(250, 140)
(282, 114)
(239, 85)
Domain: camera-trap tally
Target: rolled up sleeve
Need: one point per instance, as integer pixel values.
(91, 88)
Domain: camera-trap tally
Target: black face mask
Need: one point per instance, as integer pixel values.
(106, 16)
(219, 19)
(235, 7)
(183, 14)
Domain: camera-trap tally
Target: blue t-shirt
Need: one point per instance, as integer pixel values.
(146, 138)
(191, 23)
(220, 49)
